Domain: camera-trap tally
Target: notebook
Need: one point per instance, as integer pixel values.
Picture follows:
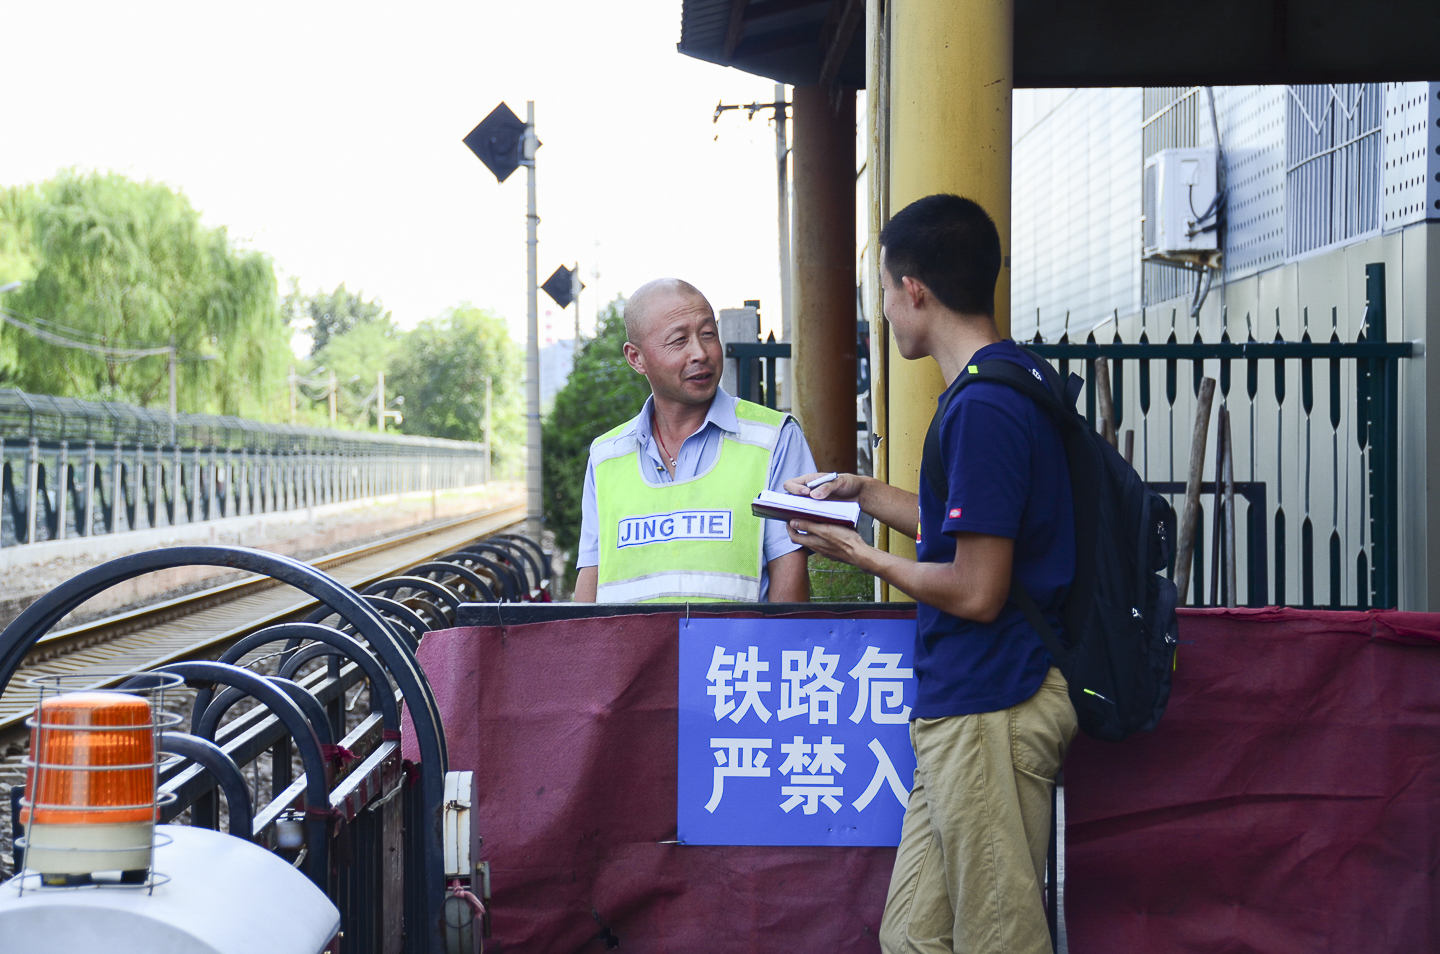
(776, 506)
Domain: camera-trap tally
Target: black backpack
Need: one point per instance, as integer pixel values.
(1119, 614)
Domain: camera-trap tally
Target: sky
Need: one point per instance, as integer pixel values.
(328, 136)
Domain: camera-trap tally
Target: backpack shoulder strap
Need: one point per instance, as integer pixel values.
(1043, 387)
(1021, 597)
(932, 468)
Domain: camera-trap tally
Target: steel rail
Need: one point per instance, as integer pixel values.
(204, 623)
(100, 630)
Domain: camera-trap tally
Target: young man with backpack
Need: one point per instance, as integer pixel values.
(993, 716)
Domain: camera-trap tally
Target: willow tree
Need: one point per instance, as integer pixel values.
(125, 264)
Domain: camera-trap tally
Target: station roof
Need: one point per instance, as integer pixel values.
(800, 42)
(1063, 43)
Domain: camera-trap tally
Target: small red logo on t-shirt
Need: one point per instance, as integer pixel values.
(954, 513)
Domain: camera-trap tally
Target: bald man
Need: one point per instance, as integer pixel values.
(665, 515)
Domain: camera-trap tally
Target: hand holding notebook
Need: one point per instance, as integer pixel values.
(778, 506)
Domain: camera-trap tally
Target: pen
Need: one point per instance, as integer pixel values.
(822, 479)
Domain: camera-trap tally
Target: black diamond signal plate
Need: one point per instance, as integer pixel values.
(560, 286)
(496, 141)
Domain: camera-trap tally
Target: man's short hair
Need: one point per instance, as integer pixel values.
(950, 245)
(636, 304)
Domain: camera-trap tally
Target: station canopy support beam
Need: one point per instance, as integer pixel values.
(824, 282)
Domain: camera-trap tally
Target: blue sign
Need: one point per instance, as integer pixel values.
(794, 731)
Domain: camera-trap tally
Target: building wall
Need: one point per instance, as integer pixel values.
(1308, 168)
(1075, 238)
(1311, 470)
(1321, 182)
(557, 358)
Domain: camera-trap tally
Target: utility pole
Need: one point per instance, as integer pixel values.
(489, 440)
(178, 514)
(535, 503)
(575, 286)
(380, 401)
(173, 401)
(564, 287)
(782, 175)
(782, 195)
(503, 143)
(595, 279)
(334, 397)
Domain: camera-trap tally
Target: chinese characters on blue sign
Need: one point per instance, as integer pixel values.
(794, 731)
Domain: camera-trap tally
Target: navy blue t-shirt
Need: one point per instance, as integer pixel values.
(1007, 476)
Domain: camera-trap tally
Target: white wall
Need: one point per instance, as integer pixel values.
(1075, 226)
(1075, 249)
(1309, 468)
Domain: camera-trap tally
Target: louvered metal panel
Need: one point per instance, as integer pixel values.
(1411, 146)
(1332, 180)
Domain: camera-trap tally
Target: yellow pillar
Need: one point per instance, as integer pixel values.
(951, 75)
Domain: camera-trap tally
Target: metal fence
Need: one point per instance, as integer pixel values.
(1320, 524)
(72, 468)
(362, 822)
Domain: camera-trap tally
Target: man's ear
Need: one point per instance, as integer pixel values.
(915, 291)
(634, 358)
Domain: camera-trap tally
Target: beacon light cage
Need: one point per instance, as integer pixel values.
(82, 815)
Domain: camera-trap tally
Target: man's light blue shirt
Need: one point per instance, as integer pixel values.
(697, 454)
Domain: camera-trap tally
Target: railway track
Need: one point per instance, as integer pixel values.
(202, 624)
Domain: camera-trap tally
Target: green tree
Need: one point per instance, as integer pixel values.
(440, 367)
(355, 356)
(601, 392)
(129, 264)
(331, 314)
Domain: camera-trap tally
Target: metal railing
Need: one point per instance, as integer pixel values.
(361, 821)
(1347, 494)
(72, 468)
(756, 381)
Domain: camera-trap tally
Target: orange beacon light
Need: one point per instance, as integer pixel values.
(90, 791)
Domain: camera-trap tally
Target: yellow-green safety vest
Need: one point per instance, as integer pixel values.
(691, 540)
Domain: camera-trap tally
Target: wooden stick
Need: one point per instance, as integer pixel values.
(1105, 401)
(1130, 447)
(1217, 528)
(1229, 513)
(1191, 513)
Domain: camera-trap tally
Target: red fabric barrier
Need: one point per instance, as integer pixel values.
(1284, 804)
(570, 728)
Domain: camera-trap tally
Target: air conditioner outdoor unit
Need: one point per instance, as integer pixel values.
(1181, 207)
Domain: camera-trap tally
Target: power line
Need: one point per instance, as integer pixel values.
(102, 350)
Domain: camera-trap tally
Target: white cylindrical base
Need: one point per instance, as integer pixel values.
(85, 849)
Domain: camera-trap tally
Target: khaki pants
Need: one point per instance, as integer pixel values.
(970, 871)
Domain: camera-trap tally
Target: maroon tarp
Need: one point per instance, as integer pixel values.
(1285, 804)
(1289, 801)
